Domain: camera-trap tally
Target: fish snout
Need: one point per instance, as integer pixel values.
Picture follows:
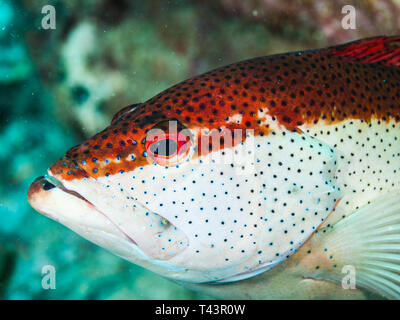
(39, 189)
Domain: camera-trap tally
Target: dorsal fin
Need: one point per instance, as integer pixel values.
(382, 49)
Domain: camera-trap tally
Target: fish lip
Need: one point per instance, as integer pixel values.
(61, 186)
(58, 184)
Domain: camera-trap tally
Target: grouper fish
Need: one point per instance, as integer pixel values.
(272, 178)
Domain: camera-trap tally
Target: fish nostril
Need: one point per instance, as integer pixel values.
(48, 185)
(38, 178)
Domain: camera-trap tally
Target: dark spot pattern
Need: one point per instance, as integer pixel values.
(293, 90)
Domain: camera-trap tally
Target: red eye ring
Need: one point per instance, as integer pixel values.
(166, 147)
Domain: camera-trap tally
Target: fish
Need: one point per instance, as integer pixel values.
(276, 177)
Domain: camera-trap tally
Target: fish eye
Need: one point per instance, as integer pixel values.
(168, 149)
(164, 148)
(168, 142)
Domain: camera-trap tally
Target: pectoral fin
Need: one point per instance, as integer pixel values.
(364, 245)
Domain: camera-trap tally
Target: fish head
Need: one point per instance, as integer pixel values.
(191, 187)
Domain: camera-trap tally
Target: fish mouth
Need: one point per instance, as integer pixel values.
(95, 217)
(41, 186)
(47, 183)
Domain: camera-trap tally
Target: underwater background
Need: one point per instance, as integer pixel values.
(60, 86)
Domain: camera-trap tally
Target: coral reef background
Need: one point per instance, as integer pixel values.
(60, 86)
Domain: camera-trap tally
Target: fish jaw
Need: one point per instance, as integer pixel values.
(72, 209)
(69, 208)
(58, 201)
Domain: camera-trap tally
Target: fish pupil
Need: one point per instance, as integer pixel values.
(165, 147)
